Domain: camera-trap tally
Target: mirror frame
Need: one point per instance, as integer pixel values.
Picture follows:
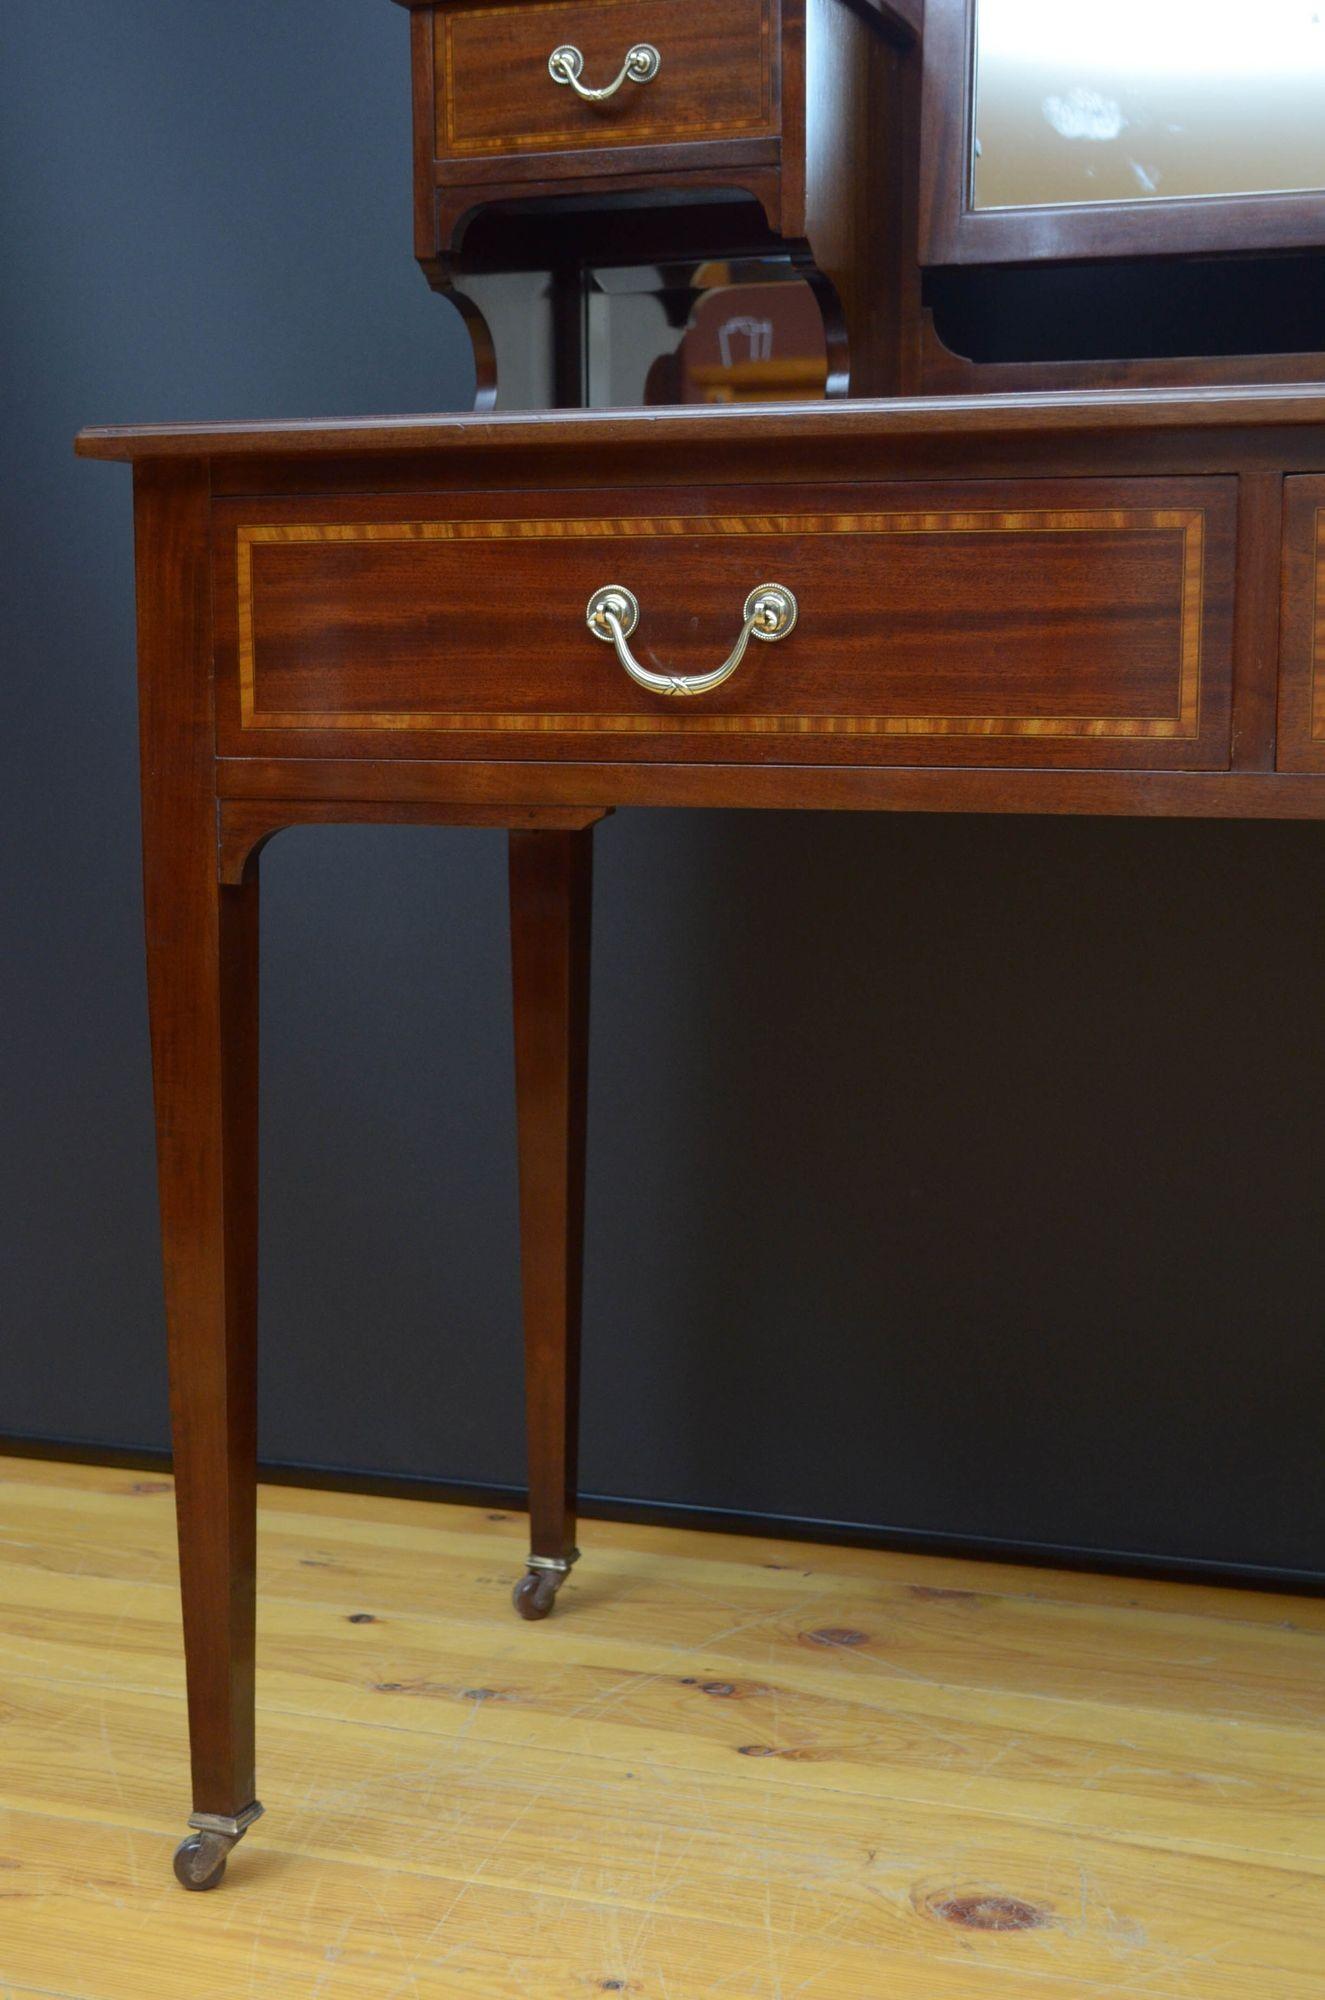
(952, 232)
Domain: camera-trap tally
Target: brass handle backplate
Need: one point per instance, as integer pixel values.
(613, 614)
(566, 65)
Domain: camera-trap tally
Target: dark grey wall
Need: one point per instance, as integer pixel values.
(961, 1175)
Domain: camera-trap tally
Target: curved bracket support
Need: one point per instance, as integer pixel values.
(446, 280)
(244, 826)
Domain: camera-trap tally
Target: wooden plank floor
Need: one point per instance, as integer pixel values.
(724, 1770)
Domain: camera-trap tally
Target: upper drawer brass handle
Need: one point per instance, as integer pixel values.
(613, 614)
(566, 64)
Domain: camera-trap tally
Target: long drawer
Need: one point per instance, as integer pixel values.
(1075, 622)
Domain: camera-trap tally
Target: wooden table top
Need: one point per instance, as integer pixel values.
(1116, 411)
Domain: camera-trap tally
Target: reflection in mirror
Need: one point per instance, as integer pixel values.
(516, 307)
(1146, 100)
(723, 331)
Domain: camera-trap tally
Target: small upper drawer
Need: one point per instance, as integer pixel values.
(1080, 622)
(714, 77)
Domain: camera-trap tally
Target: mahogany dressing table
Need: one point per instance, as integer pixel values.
(1056, 601)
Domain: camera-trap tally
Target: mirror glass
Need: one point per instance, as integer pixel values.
(745, 330)
(723, 331)
(1146, 100)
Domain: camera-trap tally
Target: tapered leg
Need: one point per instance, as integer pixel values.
(551, 892)
(202, 950)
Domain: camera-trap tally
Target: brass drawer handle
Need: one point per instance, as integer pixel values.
(613, 614)
(566, 64)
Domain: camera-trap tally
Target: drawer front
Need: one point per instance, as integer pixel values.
(1070, 622)
(1301, 733)
(715, 78)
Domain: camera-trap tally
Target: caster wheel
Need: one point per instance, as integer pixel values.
(200, 1860)
(536, 1592)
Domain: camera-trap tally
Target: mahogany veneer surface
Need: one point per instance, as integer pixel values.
(494, 95)
(1165, 420)
(1058, 602)
(1082, 622)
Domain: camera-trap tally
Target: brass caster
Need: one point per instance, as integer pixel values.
(200, 1860)
(536, 1593)
(201, 1856)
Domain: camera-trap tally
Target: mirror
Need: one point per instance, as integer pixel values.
(1087, 101)
(731, 330)
(723, 331)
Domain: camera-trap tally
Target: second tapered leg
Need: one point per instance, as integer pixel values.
(202, 962)
(551, 892)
